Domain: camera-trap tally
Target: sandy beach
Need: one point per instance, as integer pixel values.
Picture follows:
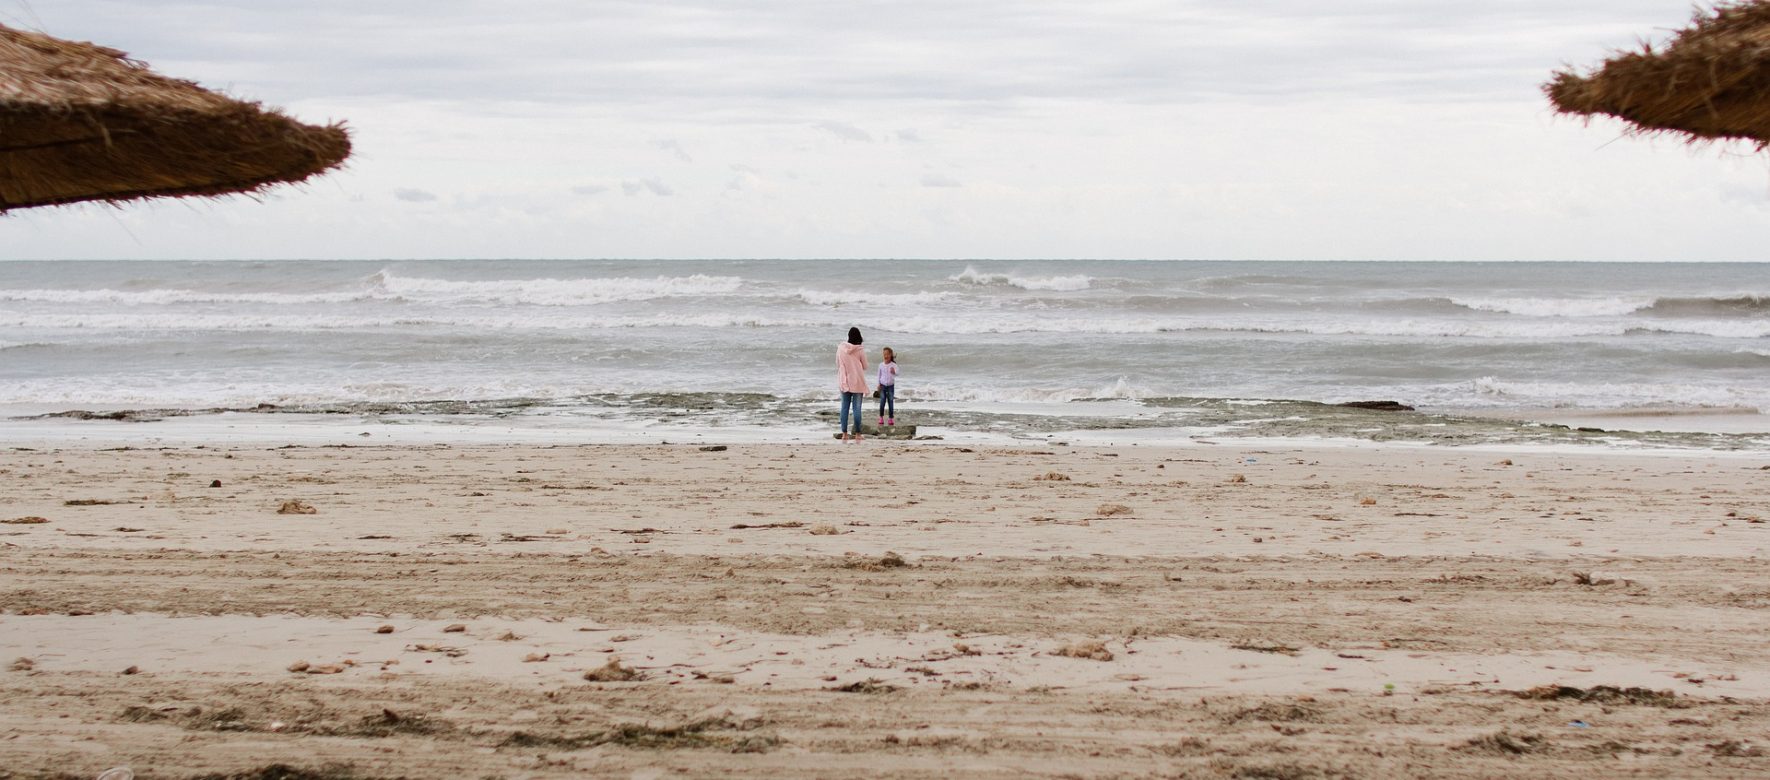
(889, 609)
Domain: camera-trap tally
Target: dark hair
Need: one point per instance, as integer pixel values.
(854, 335)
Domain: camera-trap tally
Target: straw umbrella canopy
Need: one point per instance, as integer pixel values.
(81, 122)
(1710, 82)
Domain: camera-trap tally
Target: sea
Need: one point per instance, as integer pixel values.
(1625, 355)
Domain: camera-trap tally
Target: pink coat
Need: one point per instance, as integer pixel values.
(851, 368)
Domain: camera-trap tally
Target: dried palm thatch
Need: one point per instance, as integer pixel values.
(1710, 82)
(81, 122)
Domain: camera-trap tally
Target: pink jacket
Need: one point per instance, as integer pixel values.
(851, 368)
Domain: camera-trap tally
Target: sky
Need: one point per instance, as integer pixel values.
(1143, 129)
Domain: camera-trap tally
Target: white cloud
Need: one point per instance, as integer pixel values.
(414, 196)
(674, 148)
(1259, 129)
(652, 185)
(845, 131)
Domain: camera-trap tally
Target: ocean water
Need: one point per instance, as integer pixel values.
(1023, 349)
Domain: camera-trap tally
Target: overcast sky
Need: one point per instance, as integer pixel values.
(1229, 129)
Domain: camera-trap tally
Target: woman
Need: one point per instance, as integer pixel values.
(851, 379)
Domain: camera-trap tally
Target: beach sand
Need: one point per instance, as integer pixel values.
(887, 609)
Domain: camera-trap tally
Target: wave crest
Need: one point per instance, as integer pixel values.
(902, 323)
(1557, 307)
(1720, 305)
(175, 295)
(553, 292)
(1747, 304)
(848, 298)
(972, 276)
(388, 286)
(1622, 395)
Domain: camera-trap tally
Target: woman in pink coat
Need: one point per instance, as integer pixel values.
(851, 379)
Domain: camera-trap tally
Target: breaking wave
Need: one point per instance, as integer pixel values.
(848, 298)
(387, 286)
(1723, 306)
(1557, 307)
(552, 292)
(987, 322)
(173, 296)
(972, 276)
(1748, 305)
(1621, 395)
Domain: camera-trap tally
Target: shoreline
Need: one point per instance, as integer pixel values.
(1118, 423)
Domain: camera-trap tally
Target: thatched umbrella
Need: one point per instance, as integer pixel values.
(81, 122)
(1710, 82)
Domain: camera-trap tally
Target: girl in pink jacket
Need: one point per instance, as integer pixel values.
(851, 379)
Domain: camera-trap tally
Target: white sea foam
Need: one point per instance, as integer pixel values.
(1121, 389)
(1001, 338)
(1558, 307)
(168, 296)
(1521, 330)
(1602, 395)
(207, 392)
(984, 323)
(552, 292)
(972, 276)
(849, 298)
(389, 286)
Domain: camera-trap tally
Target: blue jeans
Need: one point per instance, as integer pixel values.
(888, 400)
(851, 401)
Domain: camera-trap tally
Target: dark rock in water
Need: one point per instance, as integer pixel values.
(1590, 430)
(888, 432)
(1378, 406)
(127, 415)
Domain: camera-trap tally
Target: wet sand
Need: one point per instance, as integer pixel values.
(887, 610)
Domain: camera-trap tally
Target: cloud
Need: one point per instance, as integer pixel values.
(845, 131)
(670, 145)
(633, 187)
(713, 55)
(1111, 127)
(1754, 195)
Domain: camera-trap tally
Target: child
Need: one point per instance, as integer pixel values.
(851, 379)
(888, 388)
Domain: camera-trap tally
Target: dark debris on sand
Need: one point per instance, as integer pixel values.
(1606, 694)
